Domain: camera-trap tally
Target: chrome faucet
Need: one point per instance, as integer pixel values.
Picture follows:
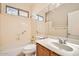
(62, 41)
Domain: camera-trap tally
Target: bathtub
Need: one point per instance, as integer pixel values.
(14, 51)
(11, 52)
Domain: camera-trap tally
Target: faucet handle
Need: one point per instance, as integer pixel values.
(60, 40)
(65, 40)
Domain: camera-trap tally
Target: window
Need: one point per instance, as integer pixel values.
(15, 11)
(23, 13)
(39, 18)
(11, 10)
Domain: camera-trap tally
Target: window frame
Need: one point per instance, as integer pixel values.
(18, 14)
(23, 11)
(41, 17)
(11, 7)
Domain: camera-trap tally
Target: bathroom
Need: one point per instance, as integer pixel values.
(24, 25)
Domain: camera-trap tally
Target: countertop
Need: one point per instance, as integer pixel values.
(46, 43)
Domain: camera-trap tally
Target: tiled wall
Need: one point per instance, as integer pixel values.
(11, 28)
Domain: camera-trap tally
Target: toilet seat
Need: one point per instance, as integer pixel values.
(30, 46)
(29, 49)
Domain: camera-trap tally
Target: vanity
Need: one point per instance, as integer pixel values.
(43, 51)
(52, 47)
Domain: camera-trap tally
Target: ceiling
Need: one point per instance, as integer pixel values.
(43, 7)
(35, 7)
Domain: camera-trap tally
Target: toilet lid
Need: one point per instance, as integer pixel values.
(30, 47)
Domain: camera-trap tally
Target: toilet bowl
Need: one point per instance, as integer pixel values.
(29, 49)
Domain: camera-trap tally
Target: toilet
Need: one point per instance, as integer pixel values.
(29, 50)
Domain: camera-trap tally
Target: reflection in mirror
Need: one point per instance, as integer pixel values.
(73, 22)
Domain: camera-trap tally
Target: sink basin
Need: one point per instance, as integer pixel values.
(62, 46)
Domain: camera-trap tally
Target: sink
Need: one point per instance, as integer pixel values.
(62, 46)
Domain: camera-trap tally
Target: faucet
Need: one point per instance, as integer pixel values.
(62, 41)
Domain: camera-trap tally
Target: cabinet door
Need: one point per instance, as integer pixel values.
(42, 51)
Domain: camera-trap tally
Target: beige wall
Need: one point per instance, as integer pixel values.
(11, 28)
(57, 25)
(0, 26)
(39, 28)
(58, 17)
(0, 21)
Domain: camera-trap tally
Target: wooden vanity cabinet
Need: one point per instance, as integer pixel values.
(43, 51)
